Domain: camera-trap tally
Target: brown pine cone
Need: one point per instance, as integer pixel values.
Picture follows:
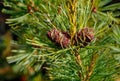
(84, 36)
(59, 37)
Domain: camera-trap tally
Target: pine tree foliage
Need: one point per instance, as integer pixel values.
(31, 20)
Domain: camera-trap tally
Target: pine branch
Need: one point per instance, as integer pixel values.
(69, 39)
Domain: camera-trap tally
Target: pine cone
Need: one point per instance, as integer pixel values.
(59, 37)
(84, 36)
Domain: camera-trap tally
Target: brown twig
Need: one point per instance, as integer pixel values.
(91, 67)
(79, 62)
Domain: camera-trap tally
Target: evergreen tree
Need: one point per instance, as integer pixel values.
(65, 40)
